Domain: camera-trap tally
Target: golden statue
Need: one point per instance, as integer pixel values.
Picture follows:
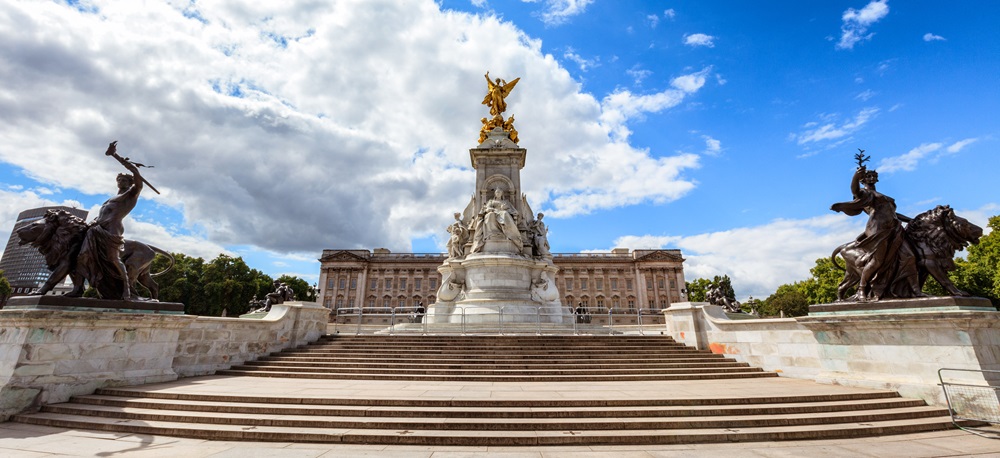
(488, 125)
(508, 126)
(496, 92)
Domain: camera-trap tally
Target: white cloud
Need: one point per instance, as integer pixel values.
(782, 251)
(712, 146)
(865, 95)
(14, 201)
(908, 161)
(957, 146)
(559, 11)
(584, 64)
(638, 74)
(622, 105)
(699, 39)
(653, 19)
(856, 22)
(669, 13)
(832, 131)
(295, 127)
(932, 37)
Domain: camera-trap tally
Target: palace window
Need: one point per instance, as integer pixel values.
(354, 283)
(343, 283)
(600, 303)
(673, 284)
(402, 283)
(417, 284)
(599, 283)
(434, 283)
(659, 282)
(583, 283)
(329, 283)
(614, 302)
(649, 283)
(631, 304)
(569, 284)
(374, 284)
(614, 283)
(628, 284)
(388, 283)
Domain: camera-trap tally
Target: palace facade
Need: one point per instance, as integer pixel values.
(621, 281)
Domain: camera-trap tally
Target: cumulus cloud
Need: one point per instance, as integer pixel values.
(931, 37)
(638, 74)
(856, 23)
(295, 127)
(831, 130)
(653, 19)
(669, 13)
(699, 39)
(783, 251)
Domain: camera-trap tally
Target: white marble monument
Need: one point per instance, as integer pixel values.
(499, 265)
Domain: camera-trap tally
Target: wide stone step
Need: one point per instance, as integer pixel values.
(498, 365)
(450, 360)
(748, 373)
(409, 436)
(469, 371)
(415, 422)
(379, 401)
(403, 409)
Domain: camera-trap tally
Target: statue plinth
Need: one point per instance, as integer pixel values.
(899, 306)
(91, 304)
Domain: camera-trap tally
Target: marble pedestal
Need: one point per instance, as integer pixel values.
(488, 287)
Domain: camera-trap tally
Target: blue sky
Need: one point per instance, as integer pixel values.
(724, 129)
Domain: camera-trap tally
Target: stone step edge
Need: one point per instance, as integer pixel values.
(499, 412)
(465, 371)
(477, 438)
(498, 378)
(498, 424)
(373, 402)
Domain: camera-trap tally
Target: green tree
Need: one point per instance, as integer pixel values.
(303, 292)
(821, 288)
(5, 289)
(182, 283)
(697, 289)
(788, 299)
(229, 285)
(752, 305)
(979, 275)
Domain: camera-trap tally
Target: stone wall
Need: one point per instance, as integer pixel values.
(48, 356)
(893, 351)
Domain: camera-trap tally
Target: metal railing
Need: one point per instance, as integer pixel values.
(971, 402)
(505, 321)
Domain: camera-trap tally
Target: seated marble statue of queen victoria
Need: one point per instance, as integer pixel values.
(496, 220)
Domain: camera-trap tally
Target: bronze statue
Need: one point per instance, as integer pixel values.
(889, 260)
(58, 236)
(496, 93)
(716, 296)
(95, 251)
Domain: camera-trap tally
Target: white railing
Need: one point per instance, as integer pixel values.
(505, 321)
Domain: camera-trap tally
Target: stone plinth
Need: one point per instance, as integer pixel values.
(481, 287)
(918, 304)
(63, 303)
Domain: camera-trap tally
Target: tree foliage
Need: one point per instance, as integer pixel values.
(697, 289)
(788, 300)
(224, 284)
(5, 289)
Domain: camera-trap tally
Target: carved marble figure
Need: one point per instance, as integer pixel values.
(539, 237)
(459, 237)
(497, 219)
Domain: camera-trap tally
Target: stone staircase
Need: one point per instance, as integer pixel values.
(657, 368)
(499, 359)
